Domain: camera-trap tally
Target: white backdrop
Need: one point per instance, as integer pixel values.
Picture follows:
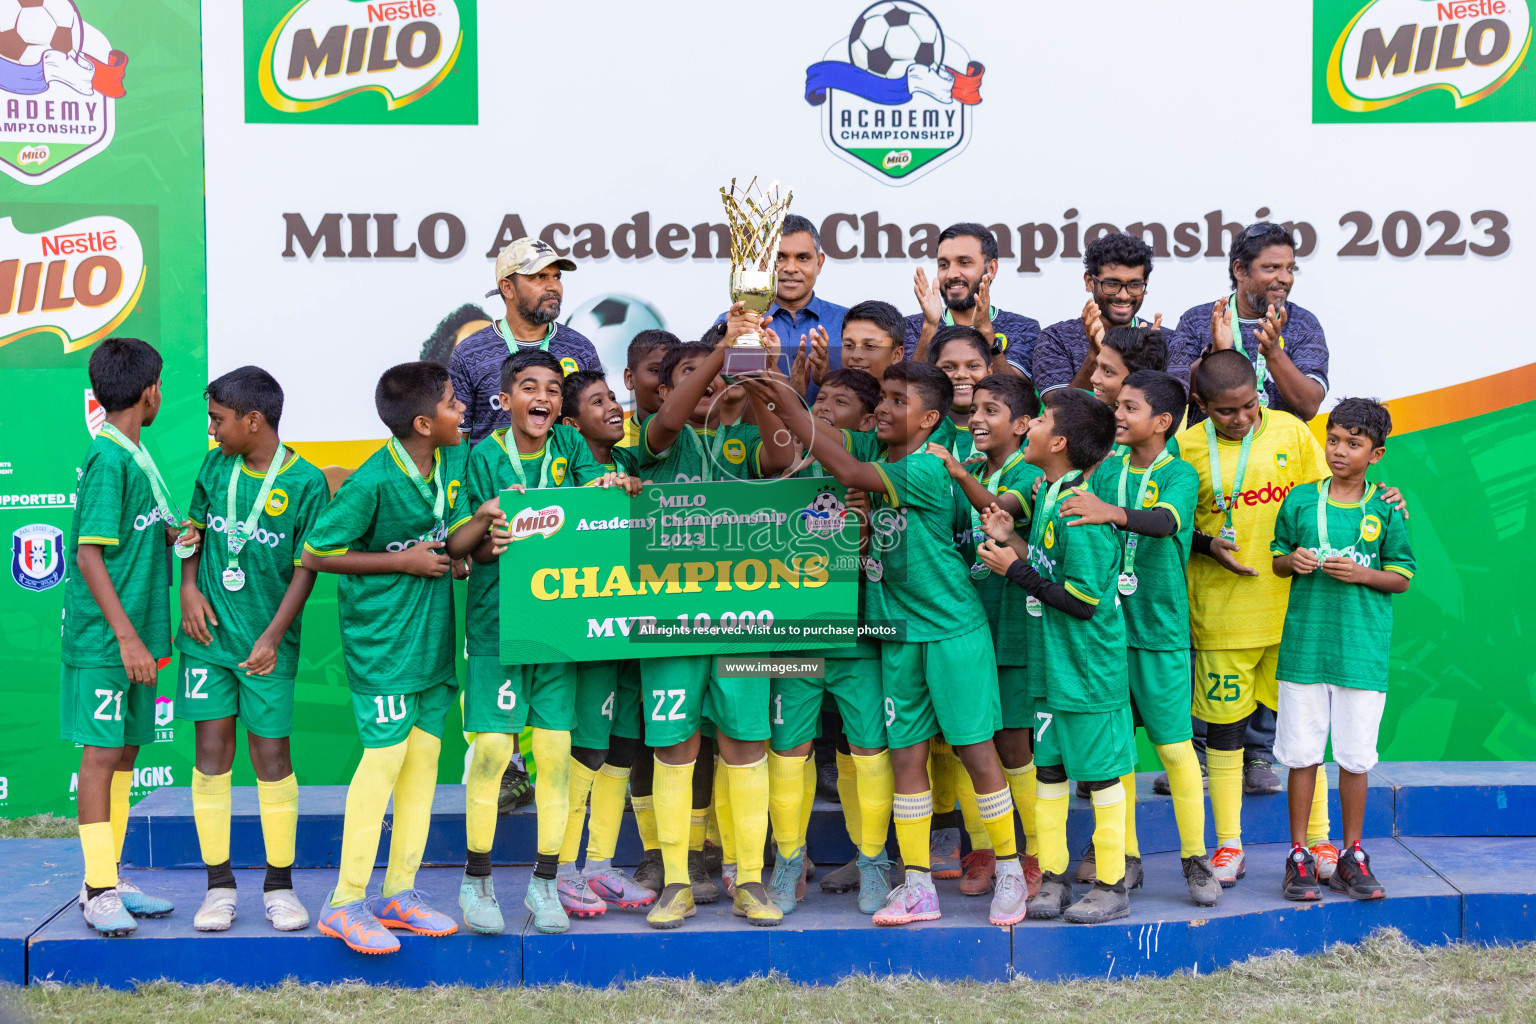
(589, 113)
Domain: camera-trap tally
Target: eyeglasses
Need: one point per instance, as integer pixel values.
(1110, 286)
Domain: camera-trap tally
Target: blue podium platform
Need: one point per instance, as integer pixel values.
(162, 834)
(1479, 887)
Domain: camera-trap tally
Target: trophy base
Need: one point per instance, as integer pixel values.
(744, 360)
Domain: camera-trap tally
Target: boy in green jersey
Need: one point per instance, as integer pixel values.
(844, 408)
(1123, 351)
(641, 379)
(1149, 495)
(1000, 475)
(698, 435)
(1076, 655)
(241, 602)
(384, 534)
(533, 452)
(116, 621)
(1346, 550)
(589, 406)
(942, 677)
(964, 356)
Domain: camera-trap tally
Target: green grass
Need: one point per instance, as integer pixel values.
(1384, 980)
(39, 826)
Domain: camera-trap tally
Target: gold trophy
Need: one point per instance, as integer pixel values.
(756, 219)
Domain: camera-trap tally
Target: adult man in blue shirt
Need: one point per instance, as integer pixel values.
(528, 280)
(961, 293)
(796, 309)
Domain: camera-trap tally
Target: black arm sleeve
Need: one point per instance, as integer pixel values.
(1151, 522)
(1200, 544)
(1053, 594)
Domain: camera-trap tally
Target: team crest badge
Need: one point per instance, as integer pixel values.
(557, 471)
(1280, 460)
(59, 81)
(1370, 528)
(568, 365)
(735, 450)
(1152, 493)
(897, 96)
(1050, 534)
(37, 556)
(277, 502)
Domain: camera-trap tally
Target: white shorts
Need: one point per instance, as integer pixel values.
(1310, 713)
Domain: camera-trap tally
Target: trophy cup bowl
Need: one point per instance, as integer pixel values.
(756, 222)
(754, 289)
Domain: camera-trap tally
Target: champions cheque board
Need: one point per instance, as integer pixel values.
(704, 568)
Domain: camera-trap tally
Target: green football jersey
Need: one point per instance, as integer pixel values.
(1157, 613)
(1337, 632)
(916, 576)
(1077, 664)
(1017, 478)
(298, 496)
(115, 508)
(564, 461)
(689, 460)
(625, 461)
(397, 630)
(954, 437)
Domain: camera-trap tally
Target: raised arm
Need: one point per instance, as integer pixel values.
(825, 445)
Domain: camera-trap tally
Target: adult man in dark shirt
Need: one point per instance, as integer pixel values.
(528, 280)
(1293, 371)
(961, 293)
(1116, 269)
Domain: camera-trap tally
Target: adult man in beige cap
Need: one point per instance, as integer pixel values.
(528, 280)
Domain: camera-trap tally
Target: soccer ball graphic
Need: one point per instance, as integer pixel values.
(892, 35)
(28, 28)
(610, 323)
(827, 503)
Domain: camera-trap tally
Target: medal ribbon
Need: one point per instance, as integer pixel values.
(1131, 539)
(709, 454)
(1322, 517)
(517, 464)
(977, 533)
(164, 502)
(1261, 364)
(438, 502)
(1214, 450)
(1046, 510)
(513, 345)
(237, 534)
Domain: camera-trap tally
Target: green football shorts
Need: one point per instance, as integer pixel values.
(607, 703)
(206, 692)
(1093, 746)
(99, 707)
(677, 693)
(1013, 691)
(853, 682)
(1160, 694)
(505, 698)
(385, 719)
(941, 686)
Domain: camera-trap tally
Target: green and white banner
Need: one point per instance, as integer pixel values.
(708, 568)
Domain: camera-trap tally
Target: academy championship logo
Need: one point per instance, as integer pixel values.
(544, 522)
(824, 515)
(896, 95)
(37, 556)
(1424, 60)
(77, 282)
(360, 62)
(59, 79)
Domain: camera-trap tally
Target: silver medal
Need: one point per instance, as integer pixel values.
(1034, 606)
(234, 579)
(873, 569)
(1229, 534)
(1127, 584)
(184, 550)
(979, 571)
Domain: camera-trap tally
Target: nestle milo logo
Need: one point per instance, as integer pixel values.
(385, 58)
(78, 282)
(1448, 55)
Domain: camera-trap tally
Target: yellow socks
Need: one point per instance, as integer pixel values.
(748, 785)
(698, 824)
(1132, 844)
(786, 792)
(965, 799)
(876, 793)
(848, 797)
(414, 787)
(645, 821)
(914, 814)
(1226, 790)
(1317, 821)
(1109, 833)
(1188, 791)
(122, 787)
(672, 791)
(279, 819)
(367, 797)
(582, 778)
(210, 814)
(96, 842)
(943, 766)
(808, 796)
(1051, 824)
(996, 813)
(1021, 781)
(607, 812)
(552, 787)
(722, 805)
(488, 760)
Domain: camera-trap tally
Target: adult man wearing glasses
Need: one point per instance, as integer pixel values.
(1116, 268)
(1292, 368)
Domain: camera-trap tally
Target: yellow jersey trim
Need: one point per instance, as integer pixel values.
(1086, 599)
